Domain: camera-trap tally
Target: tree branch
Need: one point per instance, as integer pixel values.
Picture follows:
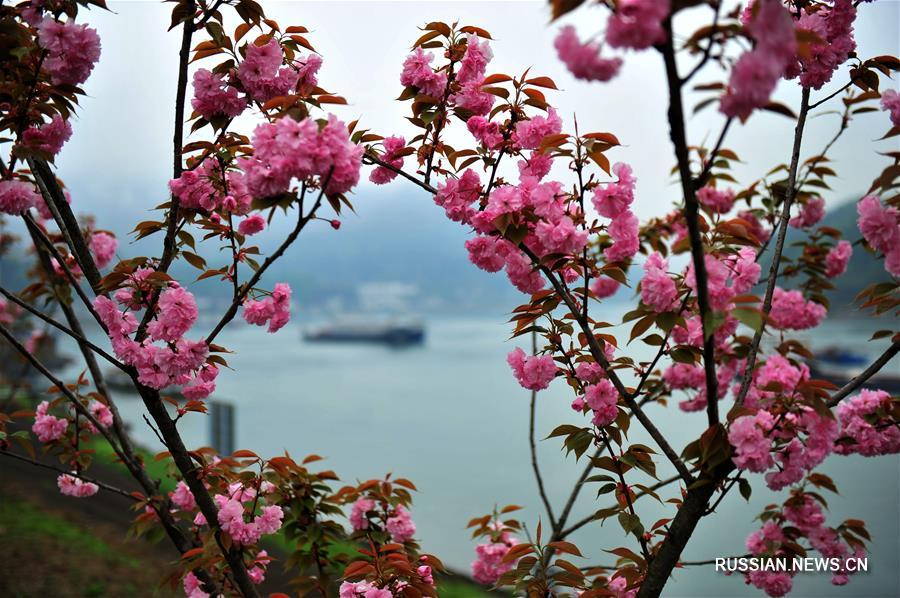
(861, 379)
(790, 193)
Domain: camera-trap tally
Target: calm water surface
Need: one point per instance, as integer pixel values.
(450, 416)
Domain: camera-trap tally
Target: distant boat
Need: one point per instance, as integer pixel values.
(839, 366)
(387, 332)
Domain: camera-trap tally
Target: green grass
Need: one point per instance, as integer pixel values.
(21, 520)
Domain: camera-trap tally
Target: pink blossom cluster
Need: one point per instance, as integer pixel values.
(246, 533)
(618, 585)
(213, 96)
(274, 310)
(362, 589)
(719, 201)
(880, 226)
(417, 72)
(289, 149)
(486, 132)
(203, 188)
(726, 277)
(778, 376)
(48, 427)
(833, 25)
(790, 311)
(103, 247)
(637, 24)
(17, 197)
(262, 74)
(756, 438)
(179, 360)
(802, 517)
(252, 224)
(391, 154)
(602, 399)
(488, 565)
(534, 372)
(191, 586)
(810, 213)
(603, 287)
(75, 487)
(757, 71)
(658, 290)
(866, 426)
(48, 137)
(837, 259)
(890, 102)
(474, 63)
(399, 523)
(583, 59)
(182, 497)
(72, 50)
(613, 200)
(530, 133)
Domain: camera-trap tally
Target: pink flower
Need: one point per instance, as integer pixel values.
(530, 133)
(456, 196)
(289, 149)
(417, 72)
(75, 487)
(269, 519)
(719, 201)
(488, 252)
(203, 384)
(118, 323)
(214, 97)
(637, 24)
(748, 436)
(757, 71)
(262, 74)
(392, 148)
(16, 197)
(182, 497)
(358, 519)
(47, 427)
(485, 131)
(537, 165)
(306, 74)
(72, 50)
(101, 413)
(400, 525)
(584, 60)
(561, 237)
(773, 583)
(837, 259)
(613, 199)
(863, 430)
(252, 225)
(810, 213)
(604, 287)
(522, 274)
(474, 63)
(533, 372)
(890, 102)
(177, 313)
(103, 246)
(472, 98)
(790, 311)
(744, 270)
(834, 26)
(623, 231)
(192, 587)
(658, 290)
(48, 137)
(602, 398)
(879, 225)
(488, 565)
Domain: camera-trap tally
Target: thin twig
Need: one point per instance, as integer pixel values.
(80, 476)
(790, 193)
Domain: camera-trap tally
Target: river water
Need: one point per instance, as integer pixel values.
(449, 416)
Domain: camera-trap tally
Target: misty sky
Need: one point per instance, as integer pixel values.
(119, 158)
